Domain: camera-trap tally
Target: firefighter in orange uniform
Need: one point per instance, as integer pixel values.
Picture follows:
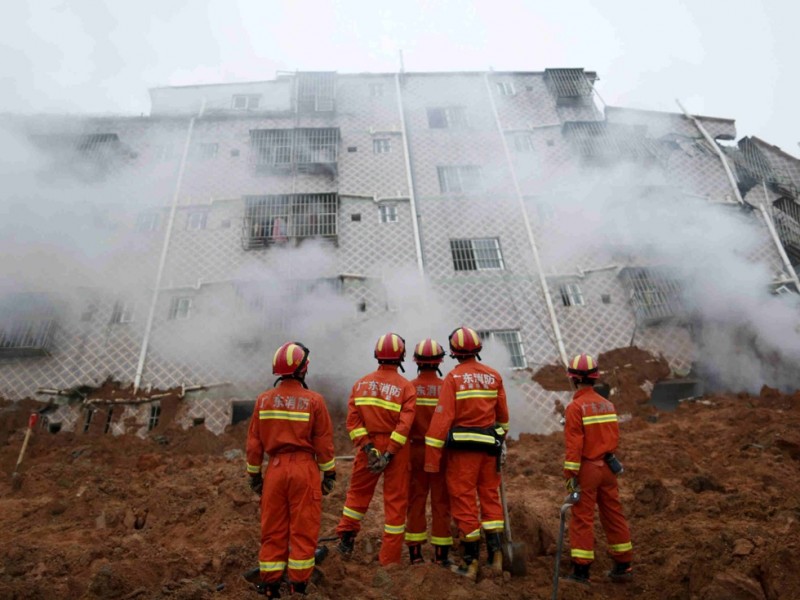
(471, 420)
(292, 425)
(428, 355)
(591, 435)
(380, 413)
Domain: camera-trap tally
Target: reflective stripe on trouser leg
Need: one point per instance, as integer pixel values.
(359, 494)
(395, 503)
(416, 523)
(462, 471)
(489, 495)
(581, 524)
(305, 511)
(613, 520)
(440, 510)
(274, 548)
(300, 569)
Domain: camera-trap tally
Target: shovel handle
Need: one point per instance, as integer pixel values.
(505, 509)
(24, 447)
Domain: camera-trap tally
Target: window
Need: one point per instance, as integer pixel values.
(376, 90)
(355, 217)
(280, 218)
(316, 91)
(523, 142)
(459, 179)
(448, 117)
(122, 312)
(109, 417)
(381, 146)
(654, 293)
(304, 147)
(196, 220)
(87, 420)
(476, 254)
(605, 298)
(208, 150)
(571, 294)
(506, 88)
(511, 339)
(155, 413)
(388, 213)
(568, 86)
(27, 323)
(246, 101)
(147, 222)
(179, 308)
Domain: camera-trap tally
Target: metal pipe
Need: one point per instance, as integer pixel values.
(148, 328)
(409, 177)
(528, 229)
(717, 149)
(778, 245)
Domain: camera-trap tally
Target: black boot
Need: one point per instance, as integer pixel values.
(495, 551)
(621, 572)
(441, 555)
(297, 587)
(346, 543)
(580, 573)
(470, 567)
(270, 590)
(415, 554)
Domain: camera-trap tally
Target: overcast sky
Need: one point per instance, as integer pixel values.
(727, 58)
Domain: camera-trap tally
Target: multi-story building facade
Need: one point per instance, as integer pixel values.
(333, 207)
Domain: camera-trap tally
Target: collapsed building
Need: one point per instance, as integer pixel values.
(463, 179)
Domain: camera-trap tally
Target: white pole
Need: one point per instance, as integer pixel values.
(528, 229)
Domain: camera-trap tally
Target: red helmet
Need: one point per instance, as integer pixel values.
(465, 342)
(290, 360)
(391, 348)
(428, 352)
(583, 366)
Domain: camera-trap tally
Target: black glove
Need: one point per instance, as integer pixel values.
(572, 485)
(257, 483)
(381, 463)
(328, 482)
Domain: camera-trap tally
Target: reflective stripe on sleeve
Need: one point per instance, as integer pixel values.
(253, 468)
(572, 466)
(427, 401)
(595, 420)
(399, 438)
(465, 436)
(578, 553)
(379, 402)
(505, 426)
(473, 535)
(429, 441)
(467, 394)
(358, 432)
(284, 415)
(328, 465)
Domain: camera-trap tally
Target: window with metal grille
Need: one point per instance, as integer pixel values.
(381, 146)
(87, 420)
(459, 179)
(447, 117)
(376, 90)
(568, 86)
(523, 141)
(571, 294)
(196, 220)
(179, 308)
(388, 213)
(654, 293)
(506, 88)
(147, 222)
(786, 216)
(479, 254)
(280, 218)
(27, 325)
(246, 101)
(316, 92)
(304, 147)
(207, 150)
(155, 414)
(122, 312)
(511, 339)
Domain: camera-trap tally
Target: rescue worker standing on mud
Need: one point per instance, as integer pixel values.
(471, 420)
(428, 355)
(292, 425)
(591, 435)
(380, 413)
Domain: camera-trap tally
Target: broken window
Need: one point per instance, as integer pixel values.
(376, 90)
(27, 325)
(459, 179)
(478, 254)
(196, 220)
(571, 294)
(381, 146)
(523, 141)
(447, 117)
(122, 312)
(179, 308)
(786, 216)
(316, 92)
(246, 101)
(506, 88)
(569, 86)
(511, 339)
(388, 213)
(155, 414)
(654, 293)
(280, 218)
(307, 148)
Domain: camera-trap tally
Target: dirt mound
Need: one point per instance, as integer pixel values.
(711, 492)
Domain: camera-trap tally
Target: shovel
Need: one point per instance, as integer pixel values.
(569, 501)
(514, 554)
(31, 424)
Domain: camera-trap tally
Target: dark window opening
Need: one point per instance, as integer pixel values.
(242, 411)
(87, 419)
(278, 219)
(155, 414)
(355, 217)
(109, 417)
(571, 294)
(605, 298)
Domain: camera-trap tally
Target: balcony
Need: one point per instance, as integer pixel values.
(306, 150)
(286, 218)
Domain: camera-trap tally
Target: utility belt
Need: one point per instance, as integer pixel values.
(476, 439)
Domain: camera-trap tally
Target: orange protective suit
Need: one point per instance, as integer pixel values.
(380, 411)
(590, 433)
(292, 425)
(428, 385)
(472, 396)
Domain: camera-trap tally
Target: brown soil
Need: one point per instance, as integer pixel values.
(711, 492)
